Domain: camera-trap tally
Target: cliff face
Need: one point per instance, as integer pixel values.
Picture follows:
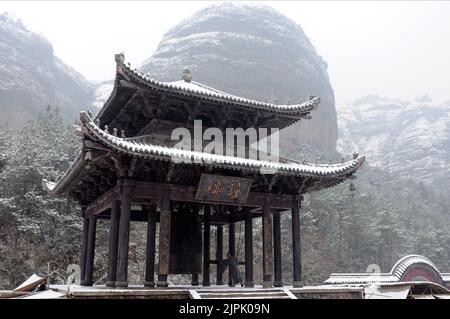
(255, 52)
(408, 139)
(32, 77)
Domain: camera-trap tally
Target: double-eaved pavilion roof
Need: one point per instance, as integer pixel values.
(142, 146)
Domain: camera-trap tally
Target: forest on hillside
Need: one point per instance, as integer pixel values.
(342, 231)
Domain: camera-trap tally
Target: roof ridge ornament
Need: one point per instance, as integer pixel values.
(120, 58)
(187, 75)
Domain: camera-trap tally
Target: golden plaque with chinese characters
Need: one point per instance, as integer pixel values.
(219, 188)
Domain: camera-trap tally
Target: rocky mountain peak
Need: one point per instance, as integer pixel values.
(410, 139)
(253, 51)
(32, 77)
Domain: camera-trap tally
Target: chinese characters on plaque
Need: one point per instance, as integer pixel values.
(223, 188)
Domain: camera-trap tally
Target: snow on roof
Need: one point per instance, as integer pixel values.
(395, 275)
(203, 91)
(404, 263)
(46, 294)
(32, 282)
(148, 150)
(339, 278)
(48, 185)
(386, 292)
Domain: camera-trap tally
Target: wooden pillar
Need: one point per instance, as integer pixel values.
(84, 245)
(90, 252)
(249, 250)
(267, 245)
(219, 254)
(297, 261)
(164, 240)
(194, 281)
(206, 246)
(278, 280)
(231, 246)
(126, 186)
(151, 248)
(113, 244)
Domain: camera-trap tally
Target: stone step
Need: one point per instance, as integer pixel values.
(247, 297)
(240, 294)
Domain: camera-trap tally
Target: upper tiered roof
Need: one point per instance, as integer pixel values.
(201, 92)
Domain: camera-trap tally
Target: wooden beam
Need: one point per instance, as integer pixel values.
(150, 190)
(102, 203)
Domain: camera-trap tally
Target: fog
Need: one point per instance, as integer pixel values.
(395, 49)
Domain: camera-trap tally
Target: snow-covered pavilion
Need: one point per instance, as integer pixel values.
(129, 169)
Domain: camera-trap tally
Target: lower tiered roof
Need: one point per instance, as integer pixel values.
(330, 174)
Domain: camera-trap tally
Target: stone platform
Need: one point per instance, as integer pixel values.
(213, 292)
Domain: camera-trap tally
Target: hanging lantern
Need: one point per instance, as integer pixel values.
(352, 189)
(88, 156)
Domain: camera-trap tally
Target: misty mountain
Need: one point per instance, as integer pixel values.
(407, 139)
(255, 52)
(32, 77)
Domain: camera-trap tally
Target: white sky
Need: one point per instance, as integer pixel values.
(395, 49)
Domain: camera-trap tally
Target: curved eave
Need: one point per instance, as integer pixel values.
(336, 172)
(108, 101)
(69, 176)
(297, 111)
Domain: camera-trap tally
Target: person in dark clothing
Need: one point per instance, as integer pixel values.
(233, 268)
